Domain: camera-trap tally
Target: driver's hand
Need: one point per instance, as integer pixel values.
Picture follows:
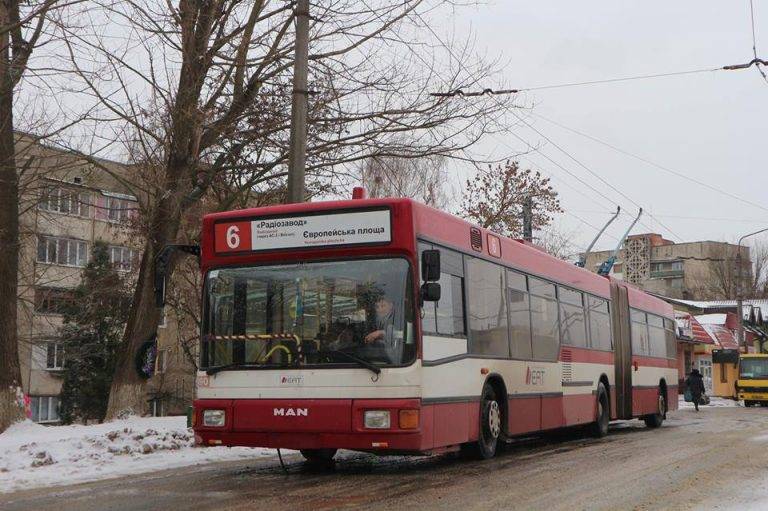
(374, 336)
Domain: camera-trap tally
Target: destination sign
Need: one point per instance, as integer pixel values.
(333, 229)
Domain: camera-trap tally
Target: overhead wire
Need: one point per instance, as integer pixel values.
(653, 164)
(596, 175)
(492, 92)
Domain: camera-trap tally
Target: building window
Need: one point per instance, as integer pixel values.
(54, 360)
(63, 251)
(51, 300)
(119, 210)
(122, 258)
(45, 408)
(61, 200)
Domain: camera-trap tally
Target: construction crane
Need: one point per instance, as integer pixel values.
(605, 268)
(583, 259)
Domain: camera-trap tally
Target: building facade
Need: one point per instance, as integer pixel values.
(68, 203)
(698, 270)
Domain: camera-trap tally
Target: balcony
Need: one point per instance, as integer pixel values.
(666, 274)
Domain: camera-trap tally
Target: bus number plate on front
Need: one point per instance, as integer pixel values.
(334, 229)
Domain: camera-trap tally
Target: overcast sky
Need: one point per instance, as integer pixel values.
(707, 126)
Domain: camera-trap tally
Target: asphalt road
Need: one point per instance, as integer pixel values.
(695, 461)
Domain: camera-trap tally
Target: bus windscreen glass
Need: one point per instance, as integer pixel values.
(753, 368)
(309, 314)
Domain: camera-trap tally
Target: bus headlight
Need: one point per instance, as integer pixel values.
(214, 418)
(376, 419)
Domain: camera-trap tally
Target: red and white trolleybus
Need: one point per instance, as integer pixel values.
(384, 325)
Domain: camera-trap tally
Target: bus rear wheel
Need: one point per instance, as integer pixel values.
(599, 428)
(490, 426)
(657, 419)
(318, 456)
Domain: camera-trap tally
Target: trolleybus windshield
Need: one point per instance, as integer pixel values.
(309, 314)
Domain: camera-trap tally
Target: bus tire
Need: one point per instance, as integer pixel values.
(748, 403)
(318, 456)
(490, 426)
(599, 428)
(657, 419)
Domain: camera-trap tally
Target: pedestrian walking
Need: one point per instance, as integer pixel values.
(695, 385)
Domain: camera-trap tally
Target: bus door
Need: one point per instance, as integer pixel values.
(622, 348)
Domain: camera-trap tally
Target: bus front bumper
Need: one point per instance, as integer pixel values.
(357, 424)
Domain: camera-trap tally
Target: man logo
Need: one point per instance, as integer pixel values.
(290, 412)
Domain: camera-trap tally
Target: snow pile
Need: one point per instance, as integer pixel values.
(714, 402)
(32, 455)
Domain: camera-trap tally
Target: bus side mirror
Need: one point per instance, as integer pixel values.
(430, 292)
(430, 265)
(162, 263)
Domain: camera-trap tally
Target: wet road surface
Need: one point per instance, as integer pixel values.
(695, 461)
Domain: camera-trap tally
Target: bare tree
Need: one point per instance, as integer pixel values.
(21, 27)
(424, 179)
(494, 199)
(557, 242)
(716, 277)
(201, 90)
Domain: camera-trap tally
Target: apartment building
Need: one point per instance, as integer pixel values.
(698, 270)
(66, 205)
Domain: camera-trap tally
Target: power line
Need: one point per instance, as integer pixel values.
(492, 92)
(653, 164)
(595, 174)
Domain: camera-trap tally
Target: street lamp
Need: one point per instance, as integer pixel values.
(739, 300)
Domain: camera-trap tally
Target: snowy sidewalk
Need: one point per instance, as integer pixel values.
(32, 456)
(715, 402)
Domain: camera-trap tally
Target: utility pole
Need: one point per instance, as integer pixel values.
(739, 297)
(299, 106)
(528, 220)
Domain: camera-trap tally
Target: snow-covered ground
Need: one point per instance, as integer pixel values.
(714, 402)
(32, 455)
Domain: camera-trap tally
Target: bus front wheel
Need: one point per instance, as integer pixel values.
(490, 426)
(318, 456)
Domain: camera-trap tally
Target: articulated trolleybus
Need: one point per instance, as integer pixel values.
(386, 326)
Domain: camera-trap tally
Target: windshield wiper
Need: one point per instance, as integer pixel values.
(359, 361)
(226, 367)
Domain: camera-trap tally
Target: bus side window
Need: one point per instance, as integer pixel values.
(428, 309)
(487, 309)
(599, 324)
(656, 337)
(450, 308)
(518, 301)
(639, 332)
(671, 338)
(573, 326)
(544, 319)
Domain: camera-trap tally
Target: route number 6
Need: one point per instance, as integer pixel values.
(233, 236)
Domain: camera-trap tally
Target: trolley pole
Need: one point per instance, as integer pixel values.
(299, 106)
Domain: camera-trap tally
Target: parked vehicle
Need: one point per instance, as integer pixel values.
(752, 385)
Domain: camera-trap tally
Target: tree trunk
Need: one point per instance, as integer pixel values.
(128, 391)
(10, 373)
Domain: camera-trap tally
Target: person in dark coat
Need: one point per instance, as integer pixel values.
(695, 384)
